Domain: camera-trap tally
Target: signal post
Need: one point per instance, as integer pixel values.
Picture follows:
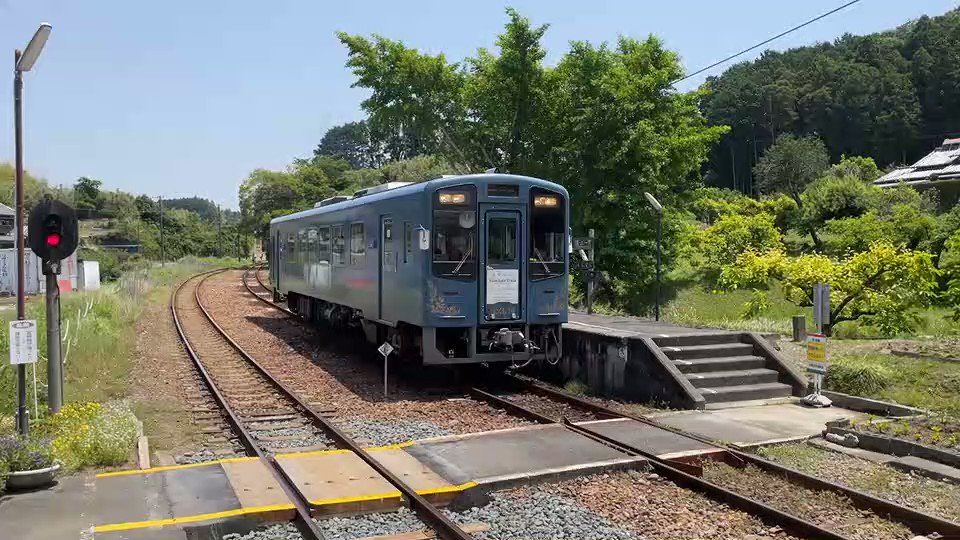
(53, 236)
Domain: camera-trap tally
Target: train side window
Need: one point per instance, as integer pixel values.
(338, 245)
(324, 245)
(358, 245)
(407, 242)
(312, 244)
(291, 248)
(302, 246)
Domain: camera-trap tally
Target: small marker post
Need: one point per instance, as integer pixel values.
(385, 350)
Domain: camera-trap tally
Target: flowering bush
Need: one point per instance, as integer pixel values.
(88, 434)
(24, 454)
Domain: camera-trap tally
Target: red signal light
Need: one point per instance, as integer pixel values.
(53, 239)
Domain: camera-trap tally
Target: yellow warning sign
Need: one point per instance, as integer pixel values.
(816, 348)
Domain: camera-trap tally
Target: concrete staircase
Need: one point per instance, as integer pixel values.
(728, 367)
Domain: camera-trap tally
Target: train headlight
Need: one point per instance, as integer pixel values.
(453, 198)
(546, 201)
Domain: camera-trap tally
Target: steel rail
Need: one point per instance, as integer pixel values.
(429, 513)
(262, 299)
(920, 522)
(304, 520)
(788, 522)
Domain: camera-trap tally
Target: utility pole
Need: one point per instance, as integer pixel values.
(219, 248)
(591, 234)
(162, 254)
(658, 208)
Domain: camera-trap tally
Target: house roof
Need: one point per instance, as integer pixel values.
(942, 166)
(6, 210)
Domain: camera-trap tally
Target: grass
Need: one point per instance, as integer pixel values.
(99, 335)
(927, 384)
(698, 306)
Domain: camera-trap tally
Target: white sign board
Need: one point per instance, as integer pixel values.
(23, 342)
(503, 285)
(385, 349)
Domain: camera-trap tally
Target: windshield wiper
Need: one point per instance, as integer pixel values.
(540, 260)
(465, 257)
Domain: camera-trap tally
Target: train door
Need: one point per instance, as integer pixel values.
(277, 261)
(388, 271)
(500, 261)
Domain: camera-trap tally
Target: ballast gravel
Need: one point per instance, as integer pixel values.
(529, 516)
(387, 432)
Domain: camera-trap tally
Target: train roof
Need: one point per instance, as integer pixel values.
(417, 187)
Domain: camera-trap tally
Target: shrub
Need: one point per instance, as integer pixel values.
(25, 454)
(90, 434)
(858, 378)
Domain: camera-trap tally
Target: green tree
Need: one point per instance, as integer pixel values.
(879, 287)
(791, 164)
(733, 234)
(350, 142)
(86, 193)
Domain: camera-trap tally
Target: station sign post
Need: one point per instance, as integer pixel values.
(385, 351)
(817, 364)
(582, 258)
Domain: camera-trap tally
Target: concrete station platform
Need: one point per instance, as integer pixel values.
(758, 424)
(625, 326)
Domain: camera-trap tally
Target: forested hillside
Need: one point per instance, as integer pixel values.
(891, 96)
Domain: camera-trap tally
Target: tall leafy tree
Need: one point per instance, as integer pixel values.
(350, 142)
(86, 193)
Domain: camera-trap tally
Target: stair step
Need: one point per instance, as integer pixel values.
(724, 363)
(712, 350)
(698, 339)
(713, 379)
(745, 392)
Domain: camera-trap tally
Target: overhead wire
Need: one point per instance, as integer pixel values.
(764, 42)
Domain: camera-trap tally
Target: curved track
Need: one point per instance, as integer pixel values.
(232, 375)
(541, 403)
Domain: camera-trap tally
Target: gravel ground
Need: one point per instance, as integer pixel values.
(539, 515)
(926, 494)
(652, 507)
(330, 373)
(382, 433)
(827, 509)
(549, 407)
(617, 506)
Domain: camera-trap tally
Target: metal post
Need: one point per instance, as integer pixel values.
(54, 360)
(162, 254)
(659, 235)
(219, 245)
(590, 234)
(23, 421)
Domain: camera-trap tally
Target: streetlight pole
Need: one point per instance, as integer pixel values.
(22, 61)
(658, 208)
(162, 254)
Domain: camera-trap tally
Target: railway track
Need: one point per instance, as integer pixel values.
(544, 404)
(266, 416)
(547, 405)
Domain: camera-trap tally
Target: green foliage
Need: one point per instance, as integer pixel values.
(863, 95)
(862, 168)
(857, 378)
(790, 164)
(605, 123)
(33, 188)
(351, 142)
(732, 234)
(710, 203)
(699, 307)
(878, 286)
(19, 453)
(86, 193)
(92, 434)
(758, 304)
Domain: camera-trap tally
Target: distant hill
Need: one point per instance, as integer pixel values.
(892, 96)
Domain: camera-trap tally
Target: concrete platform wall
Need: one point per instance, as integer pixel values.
(623, 366)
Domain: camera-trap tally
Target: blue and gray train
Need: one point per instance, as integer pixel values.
(458, 270)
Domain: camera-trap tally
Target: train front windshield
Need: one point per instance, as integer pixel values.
(455, 233)
(547, 234)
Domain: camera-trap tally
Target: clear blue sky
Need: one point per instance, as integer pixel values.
(182, 98)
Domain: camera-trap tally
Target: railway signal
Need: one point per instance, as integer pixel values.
(53, 234)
